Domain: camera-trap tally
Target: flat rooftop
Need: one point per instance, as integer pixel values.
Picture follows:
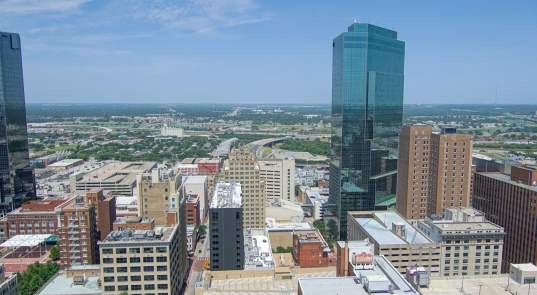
(331, 286)
(447, 226)
(118, 172)
(159, 234)
(63, 285)
(493, 285)
(257, 250)
(525, 266)
(194, 179)
(35, 206)
(227, 195)
(507, 178)
(379, 227)
(65, 162)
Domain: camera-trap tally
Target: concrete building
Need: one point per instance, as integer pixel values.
(257, 250)
(78, 232)
(172, 131)
(8, 284)
(396, 239)
(134, 223)
(198, 185)
(78, 279)
(311, 250)
(279, 178)
(159, 196)
(368, 274)
(470, 245)
(65, 164)
(117, 177)
(144, 261)
(226, 228)
(434, 171)
(242, 167)
(510, 202)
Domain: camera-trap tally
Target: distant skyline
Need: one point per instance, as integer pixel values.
(251, 51)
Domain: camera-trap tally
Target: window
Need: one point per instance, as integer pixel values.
(136, 278)
(148, 259)
(109, 279)
(109, 288)
(162, 277)
(107, 251)
(149, 268)
(162, 286)
(149, 278)
(162, 259)
(121, 260)
(134, 260)
(121, 269)
(136, 287)
(148, 250)
(134, 250)
(162, 250)
(122, 279)
(108, 260)
(135, 269)
(108, 270)
(123, 288)
(162, 268)
(149, 287)
(121, 251)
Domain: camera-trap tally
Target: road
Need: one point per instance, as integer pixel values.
(197, 269)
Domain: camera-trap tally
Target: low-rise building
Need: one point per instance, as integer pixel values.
(78, 279)
(65, 164)
(470, 245)
(144, 261)
(8, 283)
(193, 210)
(369, 274)
(117, 177)
(311, 250)
(134, 223)
(395, 238)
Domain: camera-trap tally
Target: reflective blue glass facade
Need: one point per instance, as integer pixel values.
(16, 177)
(367, 113)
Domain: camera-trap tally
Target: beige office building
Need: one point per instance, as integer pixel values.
(392, 236)
(434, 171)
(279, 178)
(470, 245)
(144, 261)
(158, 196)
(242, 167)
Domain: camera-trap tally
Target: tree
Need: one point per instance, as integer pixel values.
(202, 230)
(54, 253)
(35, 276)
(332, 229)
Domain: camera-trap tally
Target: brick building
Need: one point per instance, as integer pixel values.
(193, 210)
(311, 250)
(511, 202)
(105, 211)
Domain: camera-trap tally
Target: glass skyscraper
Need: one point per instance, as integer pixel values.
(367, 113)
(16, 177)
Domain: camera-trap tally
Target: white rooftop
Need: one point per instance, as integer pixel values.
(25, 241)
(194, 179)
(227, 195)
(380, 229)
(525, 266)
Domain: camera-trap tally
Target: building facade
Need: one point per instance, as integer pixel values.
(143, 261)
(470, 245)
(279, 178)
(396, 239)
(242, 167)
(311, 250)
(78, 232)
(159, 196)
(434, 171)
(192, 210)
(226, 237)
(17, 182)
(367, 113)
(511, 204)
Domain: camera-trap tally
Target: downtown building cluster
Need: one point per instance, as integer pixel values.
(130, 226)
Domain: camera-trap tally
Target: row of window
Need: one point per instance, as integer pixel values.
(108, 279)
(135, 250)
(121, 269)
(137, 287)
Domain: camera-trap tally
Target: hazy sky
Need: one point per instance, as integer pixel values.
(184, 51)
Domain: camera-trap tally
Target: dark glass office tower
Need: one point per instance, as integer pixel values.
(367, 113)
(16, 177)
